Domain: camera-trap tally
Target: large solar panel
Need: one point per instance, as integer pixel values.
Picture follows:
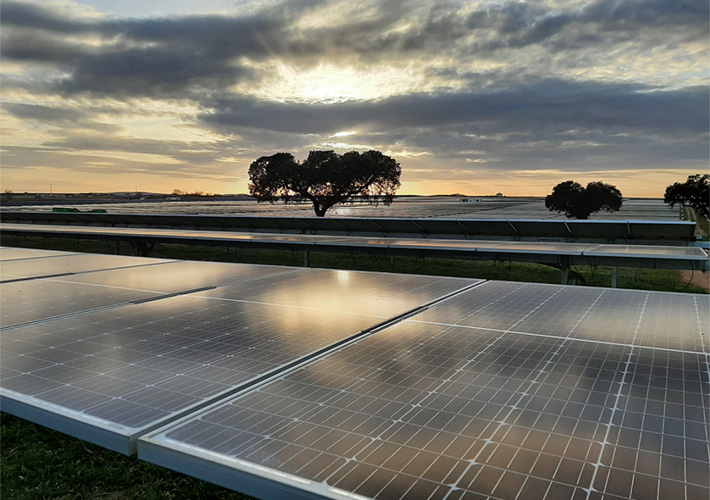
(110, 375)
(504, 391)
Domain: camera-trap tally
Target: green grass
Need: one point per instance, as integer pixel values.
(39, 463)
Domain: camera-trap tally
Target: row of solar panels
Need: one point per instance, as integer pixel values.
(302, 383)
(553, 253)
(676, 232)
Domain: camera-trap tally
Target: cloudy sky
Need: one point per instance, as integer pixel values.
(473, 97)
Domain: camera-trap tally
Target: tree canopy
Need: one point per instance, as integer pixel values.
(325, 178)
(694, 193)
(578, 202)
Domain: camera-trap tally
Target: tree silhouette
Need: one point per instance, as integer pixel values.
(694, 193)
(579, 203)
(325, 178)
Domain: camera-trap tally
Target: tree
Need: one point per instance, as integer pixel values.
(694, 193)
(325, 178)
(578, 202)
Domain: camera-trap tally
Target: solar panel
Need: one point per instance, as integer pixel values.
(178, 277)
(110, 375)
(634, 317)
(69, 264)
(558, 254)
(520, 398)
(691, 253)
(10, 253)
(40, 300)
(347, 291)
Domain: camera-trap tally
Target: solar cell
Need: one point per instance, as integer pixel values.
(501, 404)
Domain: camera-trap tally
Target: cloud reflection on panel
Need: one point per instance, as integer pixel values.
(345, 291)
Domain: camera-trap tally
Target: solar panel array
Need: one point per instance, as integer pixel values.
(306, 383)
(556, 253)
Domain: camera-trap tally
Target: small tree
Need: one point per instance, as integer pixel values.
(325, 178)
(579, 203)
(694, 193)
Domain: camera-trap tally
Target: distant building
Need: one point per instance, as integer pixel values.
(499, 195)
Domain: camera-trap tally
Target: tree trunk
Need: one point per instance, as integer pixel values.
(320, 209)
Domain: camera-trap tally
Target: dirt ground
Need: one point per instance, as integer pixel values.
(698, 278)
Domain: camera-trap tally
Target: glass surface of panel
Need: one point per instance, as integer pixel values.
(532, 247)
(35, 300)
(385, 295)
(135, 365)
(660, 252)
(72, 263)
(429, 409)
(453, 412)
(13, 253)
(495, 305)
(177, 276)
(126, 368)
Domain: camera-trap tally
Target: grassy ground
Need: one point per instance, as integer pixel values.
(38, 463)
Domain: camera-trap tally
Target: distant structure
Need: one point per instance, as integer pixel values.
(499, 195)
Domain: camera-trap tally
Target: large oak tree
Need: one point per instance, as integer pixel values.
(694, 193)
(325, 178)
(578, 202)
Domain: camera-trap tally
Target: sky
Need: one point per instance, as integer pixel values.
(471, 97)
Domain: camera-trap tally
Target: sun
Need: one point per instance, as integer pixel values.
(330, 83)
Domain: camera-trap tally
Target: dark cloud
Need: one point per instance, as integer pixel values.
(43, 113)
(27, 15)
(553, 103)
(156, 72)
(64, 118)
(579, 125)
(32, 46)
(187, 153)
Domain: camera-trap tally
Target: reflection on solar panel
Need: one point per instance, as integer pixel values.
(343, 291)
(9, 253)
(70, 264)
(176, 277)
(110, 375)
(504, 391)
(40, 300)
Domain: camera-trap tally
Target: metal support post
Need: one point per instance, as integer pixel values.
(565, 270)
(307, 259)
(614, 276)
